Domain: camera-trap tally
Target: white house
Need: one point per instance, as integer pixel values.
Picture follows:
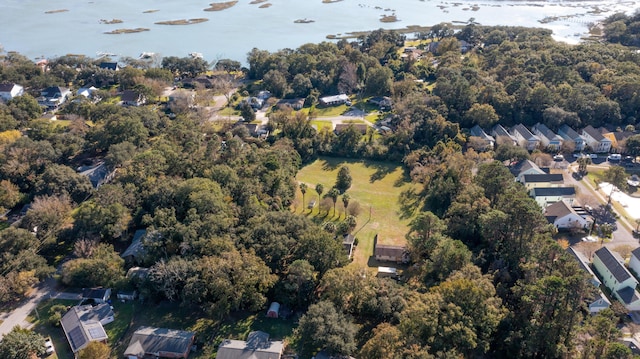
(548, 138)
(525, 138)
(545, 196)
(563, 216)
(53, 96)
(617, 277)
(334, 100)
(596, 140)
(10, 91)
(568, 134)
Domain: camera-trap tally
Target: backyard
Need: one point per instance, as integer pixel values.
(376, 186)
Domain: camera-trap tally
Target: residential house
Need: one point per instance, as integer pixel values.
(617, 138)
(98, 295)
(86, 91)
(98, 174)
(548, 138)
(616, 277)
(151, 342)
(600, 301)
(568, 134)
(596, 140)
(384, 103)
(477, 131)
(127, 295)
(54, 96)
(264, 95)
(109, 66)
(257, 346)
(525, 167)
(347, 242)
(563, 216)
(198, 82)
(135, 252)
(9, 91)
(545, 196)
(387, 253)
(82, 327)
(502, 135)
(132, 98)
(294, 103)
(334, 100)
(525, 138)
(359, 127)
(634, 261)
(542, 180)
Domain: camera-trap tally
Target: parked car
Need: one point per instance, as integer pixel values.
(614, 157)
(48, 344)
(593, 155)
(635, 233)
(589, 239)
(558, 158)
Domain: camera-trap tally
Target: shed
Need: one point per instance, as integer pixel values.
(387, 272)
(274, 309)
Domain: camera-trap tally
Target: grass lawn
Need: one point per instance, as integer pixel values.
(376, 186)
(42, 325)
(322, 124)
(329, 111)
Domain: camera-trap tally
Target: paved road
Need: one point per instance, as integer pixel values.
(18, 316)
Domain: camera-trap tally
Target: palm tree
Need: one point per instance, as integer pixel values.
(319, 190)
(333, 194)
(345, 203)
(303, 189)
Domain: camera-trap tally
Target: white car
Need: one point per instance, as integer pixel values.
(558, 158)
(589, 239)
(614, 157)
(578, 155)
(48, 344)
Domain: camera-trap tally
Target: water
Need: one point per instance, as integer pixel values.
(233, 32)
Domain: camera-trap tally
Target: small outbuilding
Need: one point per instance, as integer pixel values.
(387, 272)
(274, 310)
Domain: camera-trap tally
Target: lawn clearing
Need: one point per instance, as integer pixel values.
(320, 124)
(376, 186)
(42, 324)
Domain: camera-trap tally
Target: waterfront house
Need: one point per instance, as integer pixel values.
(9, 91)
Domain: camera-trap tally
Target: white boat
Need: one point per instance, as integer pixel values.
(147, 55)
(196, 55)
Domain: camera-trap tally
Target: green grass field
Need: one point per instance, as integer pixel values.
(376, 186)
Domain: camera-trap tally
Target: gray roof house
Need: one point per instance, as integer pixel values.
(616, 277)
(548, 138)
(477, 131)
(525, 167)
(500, 132)
(151, 342)
(132, 98)
(389, 253)
(257, 346)
(80, 332)
(596, 140)
(98, 174)
(563, 216)
(524, 137)
(99, 295)
(347, 242)
(568, 134)
(53, 96)
(135, 252)
(531, 181)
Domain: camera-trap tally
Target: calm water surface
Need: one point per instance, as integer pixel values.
(233, 32)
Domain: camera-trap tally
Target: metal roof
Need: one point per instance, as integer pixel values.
(613, 264)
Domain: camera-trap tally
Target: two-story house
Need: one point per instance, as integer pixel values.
(600, 301)
(617, 277)
(568, 134)
(10, 91)
(545, 196)
(501, 134)
(525, 167)
(477, 131)
(524, 137)
(548, 138)
(542, 180)
(596, 140)
(634, 261)
(562, 216)
(53, 96)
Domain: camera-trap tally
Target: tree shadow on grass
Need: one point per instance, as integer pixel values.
(410, 201)
(404, 179)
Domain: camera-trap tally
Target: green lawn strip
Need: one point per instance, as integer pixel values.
(376, 186)
(353, 121)
(42, 324)
(322, 124)
(123, 316)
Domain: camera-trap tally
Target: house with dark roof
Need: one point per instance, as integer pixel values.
(477, 131)
(569, 134)
(384, 103)
(294, 103)
(542, 180)
(563, 216)
(501, 134)
(600, 301)
(545, 196)
(54, 96)
(596, 140)
(524, 137)
(82, 327)
(98, 174)
(387, 253)
(132, 98)
(525, 167)
(109, 66)
(135, 252)
(616, 277)
(634, 261)
(98, 295)
(9, 91)
(257, 346)
(548, 139)
(148, 342)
